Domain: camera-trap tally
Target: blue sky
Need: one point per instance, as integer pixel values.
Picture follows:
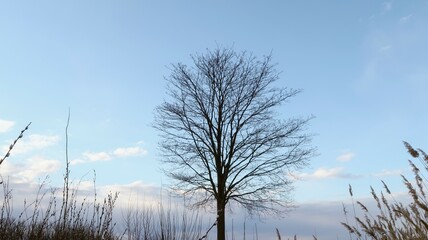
(362, 66)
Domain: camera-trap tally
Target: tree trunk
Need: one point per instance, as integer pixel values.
(221, 205)
(221, 228)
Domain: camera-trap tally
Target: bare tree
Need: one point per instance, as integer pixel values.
(220, 138)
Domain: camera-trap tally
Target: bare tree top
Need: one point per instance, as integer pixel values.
(221, 139)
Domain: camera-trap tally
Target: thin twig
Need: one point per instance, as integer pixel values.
(13, 144)
(209, 229)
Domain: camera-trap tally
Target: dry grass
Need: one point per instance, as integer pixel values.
(48, 217)
(393, 219)
(147, 223)
(43, 218)
(61, 214)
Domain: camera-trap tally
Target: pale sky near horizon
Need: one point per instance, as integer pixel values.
(362, 66)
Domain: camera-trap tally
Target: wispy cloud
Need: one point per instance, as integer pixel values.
(327, 173)
(346, 157)
(6, 125)
(33, 142)
(405, 19)
(389, 173)
(385, 48)
(386, 7)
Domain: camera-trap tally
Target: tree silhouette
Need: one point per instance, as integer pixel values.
(221, 141)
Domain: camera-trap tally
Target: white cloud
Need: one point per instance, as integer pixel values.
(326, 173)
(346, 157)
(6, 125)
(33, 142)
(29, 170)
(77, 161)
(129, 152)
(92, 157)
(121, 152)
(97, 156)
